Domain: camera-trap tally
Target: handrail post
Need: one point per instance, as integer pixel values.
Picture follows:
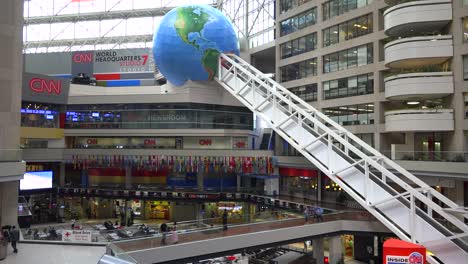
(412, 218)
(366, 182)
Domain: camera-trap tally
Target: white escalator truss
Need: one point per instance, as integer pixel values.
(406, 205)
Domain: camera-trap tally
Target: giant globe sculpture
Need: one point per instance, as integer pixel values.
(189, 40)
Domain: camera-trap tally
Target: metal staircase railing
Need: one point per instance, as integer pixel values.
(406, 205)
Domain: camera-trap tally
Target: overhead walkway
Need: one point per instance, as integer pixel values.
(210, 242)
(398, 199)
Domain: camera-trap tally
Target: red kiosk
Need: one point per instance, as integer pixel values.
(397, 251)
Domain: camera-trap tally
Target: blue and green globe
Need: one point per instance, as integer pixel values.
(189, 40)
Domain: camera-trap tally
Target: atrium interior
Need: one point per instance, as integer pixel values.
(234, 131)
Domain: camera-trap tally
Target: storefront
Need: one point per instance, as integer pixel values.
(237, 211)
(156, 210)
(299, 182)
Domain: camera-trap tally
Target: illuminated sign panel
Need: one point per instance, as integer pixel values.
(45, 89)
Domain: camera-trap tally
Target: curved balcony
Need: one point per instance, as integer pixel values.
(417, 86)
(419, 120)
(417, 17)
(417, 52)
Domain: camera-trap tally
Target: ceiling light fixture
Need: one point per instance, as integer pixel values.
(412, 103)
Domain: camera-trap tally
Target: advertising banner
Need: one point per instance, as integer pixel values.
(123, 60)
(76, 236)
(397, 251)
(45, 89)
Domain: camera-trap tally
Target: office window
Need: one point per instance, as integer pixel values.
(307, 93)
(349, 86)
(299, 70)
(362, 114)
(465, 67)
(298, 46)
(347, 30)
(465, 28)
(338, 7)
(286, 5)
(466, 105)
(350, 58)
(298, 22)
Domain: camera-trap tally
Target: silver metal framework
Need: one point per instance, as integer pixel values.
(404, 203)
(87, 41)
(73, 18)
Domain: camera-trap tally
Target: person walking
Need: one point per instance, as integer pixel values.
(225, 220)
(14, 237)
(163, 229)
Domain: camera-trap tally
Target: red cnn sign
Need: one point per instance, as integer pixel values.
(39, 85)
(241, 144)
(91, 141)
(83, 57)
(205, 142)
(149, 142)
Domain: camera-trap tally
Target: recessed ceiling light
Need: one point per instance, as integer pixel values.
(412, 103)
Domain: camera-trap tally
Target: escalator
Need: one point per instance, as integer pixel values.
(406, 205)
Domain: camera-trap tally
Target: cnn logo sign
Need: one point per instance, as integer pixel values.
(205, 142)
(40, 85)
(83, 57)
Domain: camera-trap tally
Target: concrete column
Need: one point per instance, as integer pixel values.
(272, 186)
(200, 181)
(9, 203)
(199, 214)
(335, 250)
(279, 146)
(238, 181)
(62, 175)
(11, 72)
(317, 250)
(128, 178)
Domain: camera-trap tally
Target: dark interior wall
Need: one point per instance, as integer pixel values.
(265, 65)
(364, 249)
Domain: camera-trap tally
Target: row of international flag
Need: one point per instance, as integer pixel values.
(181, 164)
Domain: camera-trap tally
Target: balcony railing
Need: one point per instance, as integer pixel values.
(11, 155)
(441, 156)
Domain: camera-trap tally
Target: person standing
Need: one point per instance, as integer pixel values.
(319, 214)
(14, 237)
(174, 236)
(73, 221)
(163, 229)
(306, 215)
(225, 220)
